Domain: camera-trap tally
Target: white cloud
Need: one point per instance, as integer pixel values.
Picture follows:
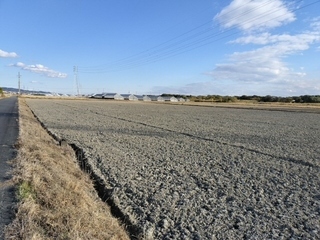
(5, 54)
(266, 67)
(255, 15)
(264, 64)
(40, 69)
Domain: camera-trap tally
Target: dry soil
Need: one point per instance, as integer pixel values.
(188, 172)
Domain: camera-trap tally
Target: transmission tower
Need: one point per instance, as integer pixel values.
(75, 72)
(19, 76)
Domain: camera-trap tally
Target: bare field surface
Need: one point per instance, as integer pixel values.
(187, 172)
(276, 106)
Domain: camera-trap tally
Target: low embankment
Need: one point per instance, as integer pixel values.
(56, 199)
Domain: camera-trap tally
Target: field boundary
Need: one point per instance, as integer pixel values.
(56, 199)
(103, 192)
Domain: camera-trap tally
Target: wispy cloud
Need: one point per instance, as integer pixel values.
(315, 24)
(5, 54)
(250, 15)
(40, 69)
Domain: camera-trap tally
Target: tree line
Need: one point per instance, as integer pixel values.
(267, 98)
(297, 99)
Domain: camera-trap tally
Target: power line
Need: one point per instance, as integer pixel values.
(154, 50)
(186, 44)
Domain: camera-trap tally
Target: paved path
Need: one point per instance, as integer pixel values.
(9, 129)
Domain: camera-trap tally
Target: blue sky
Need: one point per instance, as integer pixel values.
(238, 47)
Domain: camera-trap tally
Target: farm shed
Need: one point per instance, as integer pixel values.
(153, 97)
(173, 99)
(118, 97)
(97, 95)
(146, 98)
(169, 99)
(130, 97)
(140, 97)
(109, 95)
(181, 99)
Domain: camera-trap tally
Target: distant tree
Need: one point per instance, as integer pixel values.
(287, 100)
(315, 99)
(256, 98)
(297, 99)
(269, 98)
(310, 98)
(244, 97)
(1, 92)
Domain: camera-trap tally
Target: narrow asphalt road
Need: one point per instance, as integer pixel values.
(9, 129)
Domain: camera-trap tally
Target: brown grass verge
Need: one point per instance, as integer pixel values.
(56, 199)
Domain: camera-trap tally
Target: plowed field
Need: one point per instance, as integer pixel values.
(187, 172)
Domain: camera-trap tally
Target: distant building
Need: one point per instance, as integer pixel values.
(109, 95)
(140, 97)
(130, 97)
(133, 97)
(97, 95)
(153, 97)
(118, 97)
(174, 99)
(168, 99)
(146, 98)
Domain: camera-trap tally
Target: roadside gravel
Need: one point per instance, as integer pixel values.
(199, 173)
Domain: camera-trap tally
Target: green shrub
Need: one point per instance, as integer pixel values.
(25, 191)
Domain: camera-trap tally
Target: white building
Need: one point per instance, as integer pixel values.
(130, 97)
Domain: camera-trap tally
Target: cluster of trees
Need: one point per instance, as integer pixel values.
(1, 92)
(268, 98)
(297, 99)
(176, 95)
(214, 98)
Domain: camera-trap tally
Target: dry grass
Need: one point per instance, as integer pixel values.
(57, 200)
(54, 97)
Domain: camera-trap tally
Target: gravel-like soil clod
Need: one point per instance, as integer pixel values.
(185, 172)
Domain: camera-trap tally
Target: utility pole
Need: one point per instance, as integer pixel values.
(19, 83)
(75, 72)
